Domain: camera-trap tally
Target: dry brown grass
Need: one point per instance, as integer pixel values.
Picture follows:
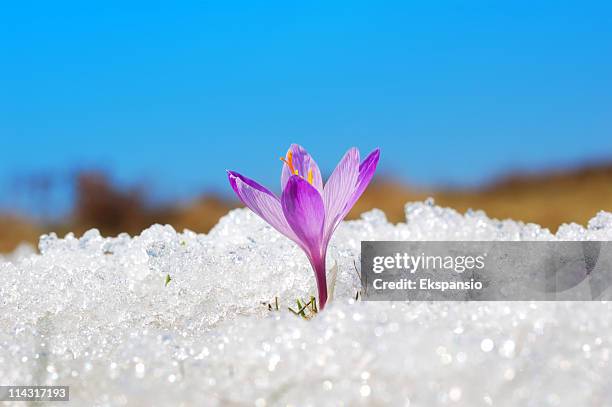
(14, 230)
(548, 199)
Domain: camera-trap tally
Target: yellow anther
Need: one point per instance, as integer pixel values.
(289, 162)
(310, 176)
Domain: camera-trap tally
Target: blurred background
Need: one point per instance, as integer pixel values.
(117, 115)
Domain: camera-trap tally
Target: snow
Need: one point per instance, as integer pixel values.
(98, 314)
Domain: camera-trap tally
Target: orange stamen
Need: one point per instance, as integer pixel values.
(310, 176)
(289, 162)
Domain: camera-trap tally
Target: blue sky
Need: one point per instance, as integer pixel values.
(173, 93)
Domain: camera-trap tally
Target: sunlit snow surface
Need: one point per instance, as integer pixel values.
(95, 314)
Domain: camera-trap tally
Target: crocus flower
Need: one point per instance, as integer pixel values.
(308, 212)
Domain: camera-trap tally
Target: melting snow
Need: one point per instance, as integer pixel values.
(98, 314)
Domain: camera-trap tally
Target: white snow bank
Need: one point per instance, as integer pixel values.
(96, 314)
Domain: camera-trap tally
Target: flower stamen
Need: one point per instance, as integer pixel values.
(289, 162)
(310, 176)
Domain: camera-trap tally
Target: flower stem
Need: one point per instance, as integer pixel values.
(318, 264)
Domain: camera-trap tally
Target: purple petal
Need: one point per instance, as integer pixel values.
(339, 189)
(304, 210)
(261, 201)
(233, 176)
(367, 168)
(302, 162)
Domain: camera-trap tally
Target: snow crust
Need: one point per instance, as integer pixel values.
(98, 314)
